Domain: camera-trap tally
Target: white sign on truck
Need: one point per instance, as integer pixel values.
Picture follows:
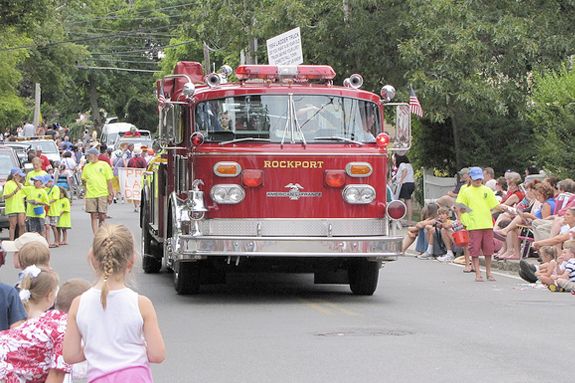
(285, 49)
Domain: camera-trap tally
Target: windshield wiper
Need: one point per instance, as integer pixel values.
(338, 138)
(244, 139)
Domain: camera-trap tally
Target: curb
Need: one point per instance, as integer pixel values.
(508, 266)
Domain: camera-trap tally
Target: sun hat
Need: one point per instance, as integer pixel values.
(16, 245)
(17, 171)
(476, 173)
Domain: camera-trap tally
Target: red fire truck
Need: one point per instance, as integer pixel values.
(280, 170)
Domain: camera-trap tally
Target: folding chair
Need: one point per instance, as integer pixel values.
(526, 239)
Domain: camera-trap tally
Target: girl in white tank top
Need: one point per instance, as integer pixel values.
(117, 327)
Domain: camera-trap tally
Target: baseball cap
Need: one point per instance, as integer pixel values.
(18, 171)
(137, 151)
(93, 151)
(39, 178)
(48, 178)
(16, 245)
(476, 173)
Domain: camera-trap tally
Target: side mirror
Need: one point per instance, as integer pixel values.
(400, 129)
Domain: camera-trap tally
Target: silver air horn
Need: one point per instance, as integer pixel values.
(354, 81)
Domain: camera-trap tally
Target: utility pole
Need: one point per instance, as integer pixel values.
(37, 101)
(207, 63)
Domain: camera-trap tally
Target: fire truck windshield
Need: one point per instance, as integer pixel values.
(290, 118)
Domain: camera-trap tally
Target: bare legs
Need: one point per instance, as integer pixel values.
(97, 220)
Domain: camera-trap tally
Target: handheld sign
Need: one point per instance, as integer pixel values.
(285, 49)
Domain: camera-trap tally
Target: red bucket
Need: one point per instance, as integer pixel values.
(461, 238)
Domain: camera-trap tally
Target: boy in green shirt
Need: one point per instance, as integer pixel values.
(36, 199)
(478, 220)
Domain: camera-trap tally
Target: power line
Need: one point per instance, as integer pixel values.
(145, 50)
(127, 61)
(114, 68)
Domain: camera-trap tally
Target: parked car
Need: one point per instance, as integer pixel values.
(143, 138)
(49, 148)
(111, 131)
(21, 150)
(8, 160)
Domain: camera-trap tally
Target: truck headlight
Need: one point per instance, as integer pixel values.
(358, 194)
(227, 194)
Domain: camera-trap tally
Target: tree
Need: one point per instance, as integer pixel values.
(552, 113)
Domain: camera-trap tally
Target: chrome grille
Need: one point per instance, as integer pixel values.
(294, 227)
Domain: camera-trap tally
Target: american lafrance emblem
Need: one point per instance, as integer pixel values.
(294, 193)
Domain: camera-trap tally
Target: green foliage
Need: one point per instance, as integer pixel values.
(552, 113)
(138, 112)
(12, 111)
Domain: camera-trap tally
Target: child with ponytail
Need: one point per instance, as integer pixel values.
(110, 325)
(32, 352)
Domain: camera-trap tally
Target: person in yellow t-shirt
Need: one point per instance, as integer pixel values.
(479, 200)
(65, 220)
(53, 193)
(97, 177)
(37, 200)
(14, 197)
(37, 171)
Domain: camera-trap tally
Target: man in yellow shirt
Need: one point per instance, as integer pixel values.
(97, 177)
(480, 200)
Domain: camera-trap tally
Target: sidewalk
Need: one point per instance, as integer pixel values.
(508, 266)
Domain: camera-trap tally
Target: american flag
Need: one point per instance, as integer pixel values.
(414, 105)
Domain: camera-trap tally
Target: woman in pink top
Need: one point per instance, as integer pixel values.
(118, 328)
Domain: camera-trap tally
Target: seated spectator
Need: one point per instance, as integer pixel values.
(514, 193)
(565, 232)
(489, 178)
(444, 225)
(548, 268)
(463, 179)
(549, 227)
(500, 188)
(428, 215)
(565, 278)
(545, 196)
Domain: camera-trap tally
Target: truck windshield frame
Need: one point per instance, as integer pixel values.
(289, 118)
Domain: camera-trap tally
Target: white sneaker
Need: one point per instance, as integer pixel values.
(446, 258)
(425, 256)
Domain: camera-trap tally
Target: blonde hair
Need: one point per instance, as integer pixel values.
(113, 247)
(569, 245)
(34, 253)
(39, 286)
(70, 290)
(548, 251)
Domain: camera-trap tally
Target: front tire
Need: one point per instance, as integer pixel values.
(187, 278)
(151, 265)
(363, 277)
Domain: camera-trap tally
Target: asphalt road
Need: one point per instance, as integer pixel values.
(427, 322)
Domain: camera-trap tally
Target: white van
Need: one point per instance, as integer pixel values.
(110, 131)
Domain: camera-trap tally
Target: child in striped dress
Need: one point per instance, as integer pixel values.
(65, 220)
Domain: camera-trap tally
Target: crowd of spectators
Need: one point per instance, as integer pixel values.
(535, 218)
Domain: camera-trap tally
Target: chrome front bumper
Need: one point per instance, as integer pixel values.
(199, 247)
